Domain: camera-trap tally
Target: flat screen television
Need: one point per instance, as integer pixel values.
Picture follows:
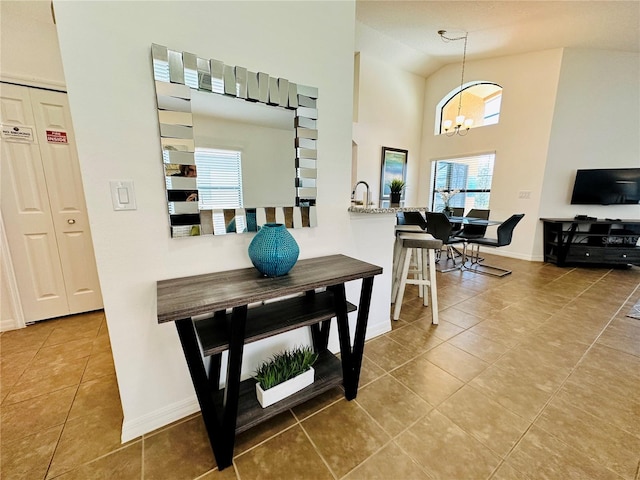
(607, 186)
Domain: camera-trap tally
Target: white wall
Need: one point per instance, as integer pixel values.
(596, 124)
(30, 54)
(520, 140)
(106, 54)
(389, 113)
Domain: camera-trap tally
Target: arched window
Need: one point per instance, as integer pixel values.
(480, 103)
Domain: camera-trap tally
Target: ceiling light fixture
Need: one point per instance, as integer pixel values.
(462, 125)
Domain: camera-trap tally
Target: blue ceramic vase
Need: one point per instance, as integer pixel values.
(273, 251)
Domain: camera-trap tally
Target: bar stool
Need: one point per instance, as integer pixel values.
(423, 246)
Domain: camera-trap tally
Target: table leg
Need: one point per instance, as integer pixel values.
(201, 383)
(361, 331)
(236, 329)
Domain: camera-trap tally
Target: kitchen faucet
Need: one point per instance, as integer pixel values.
(367, 196)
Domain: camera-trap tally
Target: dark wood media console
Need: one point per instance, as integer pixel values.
(235, 408)
(606, 242)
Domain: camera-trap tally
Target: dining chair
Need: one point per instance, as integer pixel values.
(474, 231)
(456, 212)
(415, 218)
(504, 236)
(440, 227)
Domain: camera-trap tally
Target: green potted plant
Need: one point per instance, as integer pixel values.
(284, 374)
(395, 188)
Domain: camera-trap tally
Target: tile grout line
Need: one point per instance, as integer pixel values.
(555, 393)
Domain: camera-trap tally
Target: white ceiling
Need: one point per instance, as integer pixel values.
(404, 33)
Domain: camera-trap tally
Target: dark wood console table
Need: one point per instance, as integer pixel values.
(235, 408)
(570, 241)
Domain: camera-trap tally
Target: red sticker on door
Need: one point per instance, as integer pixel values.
(54, 136)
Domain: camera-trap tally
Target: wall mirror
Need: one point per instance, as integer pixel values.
(238, 147)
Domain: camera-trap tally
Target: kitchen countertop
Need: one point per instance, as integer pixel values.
(377, 210)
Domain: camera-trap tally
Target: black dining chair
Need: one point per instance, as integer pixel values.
(504, 236)
(415, 218)
(456, 212)
(474, 231)
(439, 226)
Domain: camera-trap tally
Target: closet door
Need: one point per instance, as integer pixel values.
(66, 199)
(43, 206)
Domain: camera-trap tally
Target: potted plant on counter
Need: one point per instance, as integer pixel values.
(284, 374)
(395, 188)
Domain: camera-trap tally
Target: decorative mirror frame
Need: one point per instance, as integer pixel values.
(176, 74)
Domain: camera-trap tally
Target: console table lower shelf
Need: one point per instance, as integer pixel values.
(318, 289)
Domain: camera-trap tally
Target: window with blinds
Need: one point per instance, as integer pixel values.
(472, 176)
(219, 178)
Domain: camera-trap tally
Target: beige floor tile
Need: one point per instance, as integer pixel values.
(344, 435)
(427, 380)
(100, 395)
(601, 359)
(28, 458)
(37, 414)
(486, 420)
(123, 464)
(84, 439)
(369, 372)
(459, 317)
(624, 335)
(389, 463)
(542, 368)
(500, 332)
(100, 364)
(316, 404)
(228, 473)
(165, 452)
(514, 391)
(541, 455)
(444, 330)
(445, 451)
(613, 400)
(12, 367)
(481, 347)
(252, 437)
(596, 438)
(288, 455)
(387, 353)
(455, 361)
(73, 329)
(414, 338)
(507, 472)
(24, 340)
(42, 379)
(63, 352)
(391, 404)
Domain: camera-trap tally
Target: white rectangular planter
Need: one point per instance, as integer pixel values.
(284, 389)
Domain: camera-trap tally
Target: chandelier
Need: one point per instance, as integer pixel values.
(462, 125)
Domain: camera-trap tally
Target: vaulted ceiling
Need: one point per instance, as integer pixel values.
(404, 33)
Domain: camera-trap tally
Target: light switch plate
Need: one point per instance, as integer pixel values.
(122, 195)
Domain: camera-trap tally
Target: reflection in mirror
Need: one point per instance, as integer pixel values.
(230, 164)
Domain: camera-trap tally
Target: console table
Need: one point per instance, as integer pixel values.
(320, 285)
(570, 241)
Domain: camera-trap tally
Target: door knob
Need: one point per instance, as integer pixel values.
(71, 221)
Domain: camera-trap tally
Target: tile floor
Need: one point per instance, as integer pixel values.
(535, 375)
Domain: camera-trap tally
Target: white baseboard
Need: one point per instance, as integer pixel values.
(151, 421)
(9, 324)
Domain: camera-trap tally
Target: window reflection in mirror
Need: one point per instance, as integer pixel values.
(242, 143)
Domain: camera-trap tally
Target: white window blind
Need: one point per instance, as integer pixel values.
(471, 175)
(219, 178)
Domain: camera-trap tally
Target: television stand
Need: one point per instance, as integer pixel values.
(593, 242)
